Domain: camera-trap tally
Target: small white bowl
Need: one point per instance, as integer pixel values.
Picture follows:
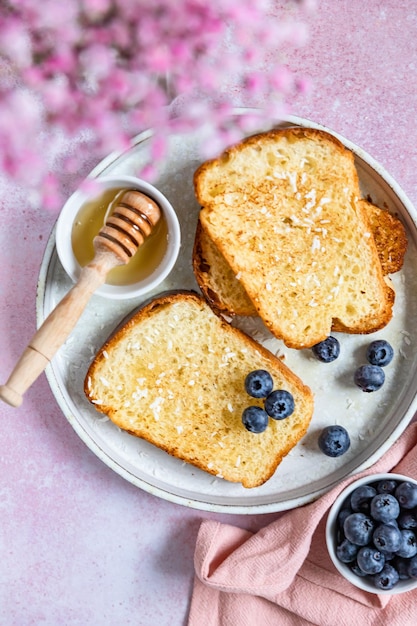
(88, 192)
(364, 583)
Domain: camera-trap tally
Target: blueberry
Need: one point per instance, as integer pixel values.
(408, 520)
(379, 352)
(386, 486)
(259, 384)
(370, 560)
(387, 578)
(412, 567)
(279, 404)
(357, 570)
(408, 547)
(406, 493)
(255, 419)
(327, 351)
(334, 441)
(387, 538)
(359, 528)
(369, 377)
(402, 566)
(340, 520)
(384, 508)
(342, 515)
(346, 551)
(361, 497)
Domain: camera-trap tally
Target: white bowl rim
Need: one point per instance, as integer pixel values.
(70, 210)
(403, 585)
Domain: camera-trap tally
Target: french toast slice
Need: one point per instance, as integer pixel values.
(174, 376)
(283, 208)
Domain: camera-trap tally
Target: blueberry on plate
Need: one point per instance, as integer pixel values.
(255, 419)
(327, 351)
(369, 377)
(279, 404)
(259, 384)
(334, 441)
(380, 352)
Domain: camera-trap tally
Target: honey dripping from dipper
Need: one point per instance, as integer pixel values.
(90, 220)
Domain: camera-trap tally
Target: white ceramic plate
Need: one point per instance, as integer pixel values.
(374, 420)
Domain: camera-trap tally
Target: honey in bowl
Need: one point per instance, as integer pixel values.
(87, 224)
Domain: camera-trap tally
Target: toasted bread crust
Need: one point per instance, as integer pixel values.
(283, 208)
(390, 237)
(217, 282)
(199, 423)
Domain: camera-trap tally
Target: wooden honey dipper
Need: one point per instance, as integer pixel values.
(129, 224)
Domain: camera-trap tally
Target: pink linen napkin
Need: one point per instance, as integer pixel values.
(283, 576)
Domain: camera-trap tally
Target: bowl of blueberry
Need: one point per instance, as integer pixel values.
(371, 533)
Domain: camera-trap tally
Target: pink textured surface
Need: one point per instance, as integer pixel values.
(78, 544)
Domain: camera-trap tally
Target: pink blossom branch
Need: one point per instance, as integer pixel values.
(97, 70)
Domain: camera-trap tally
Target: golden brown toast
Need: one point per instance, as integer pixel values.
(225, 292)
(174, 376)
(283, 208)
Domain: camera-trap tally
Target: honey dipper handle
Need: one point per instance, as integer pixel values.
(55, 330)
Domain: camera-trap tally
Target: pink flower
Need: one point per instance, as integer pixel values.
(104, 70)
